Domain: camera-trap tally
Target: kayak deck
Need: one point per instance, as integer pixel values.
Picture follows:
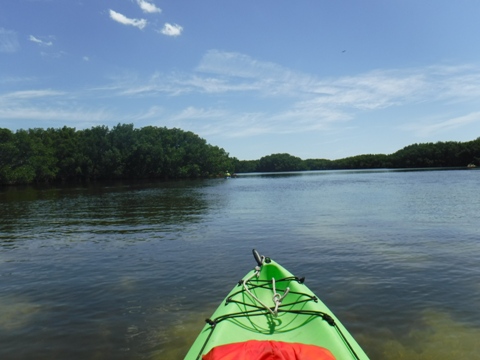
(271, 304)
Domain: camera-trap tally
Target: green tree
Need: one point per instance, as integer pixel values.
(146, 158)
(123, 143)
(318, 164)
(8, 156)
(66, 149)
(280, 162)
(93, 145)
(245, 166)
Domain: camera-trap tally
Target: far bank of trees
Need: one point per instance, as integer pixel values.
(123, 152)
(440, 154)
(68, 155)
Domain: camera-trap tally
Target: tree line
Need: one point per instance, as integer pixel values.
(122, 152)
(427, 155)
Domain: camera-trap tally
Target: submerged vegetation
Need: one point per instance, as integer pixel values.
(123, 152)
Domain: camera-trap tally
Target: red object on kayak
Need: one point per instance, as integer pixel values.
(268, 350)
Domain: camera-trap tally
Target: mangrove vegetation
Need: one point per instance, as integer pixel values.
(124, 152)
(427, 155)
(100, 153)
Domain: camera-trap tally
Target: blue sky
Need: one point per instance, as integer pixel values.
(312, 78)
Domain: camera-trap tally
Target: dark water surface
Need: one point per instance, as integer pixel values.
(129, 271)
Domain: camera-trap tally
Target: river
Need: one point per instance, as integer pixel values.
(131, 270)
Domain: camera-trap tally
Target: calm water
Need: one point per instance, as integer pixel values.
(129, 271)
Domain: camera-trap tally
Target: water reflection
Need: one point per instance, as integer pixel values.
(151, 209)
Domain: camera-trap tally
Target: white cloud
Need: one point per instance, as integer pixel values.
(372, 90)
(171, 29)
(309, 103)
(148, 7)
(199, 113)
(426, 129)
(211, 85)
(154, 112)
(308, 100)
(8, 41)
(41, 113)
(39, 41)
(40, 105)
(30, 94)
(211, 122)
(122, 19)
(242, 96)
(241, 72)
(238, 65)
(53, 55)
(15, 80)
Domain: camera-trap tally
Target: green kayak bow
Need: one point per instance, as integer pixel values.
(272, 311)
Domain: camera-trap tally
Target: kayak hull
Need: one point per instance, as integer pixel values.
(250, 312)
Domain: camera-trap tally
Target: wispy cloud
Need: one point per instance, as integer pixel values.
(367, 91)
(282, 100)
(148, 7)
(171, 29)
(308, 103)
(16, 80)
(39, 41)
(196, 113)
(53, 54)
(429, 128)
(122, 19)
(371, 90)
(53, 113)
(241, 96)
(214, 121)
(47, 105)
(8, 41)
(30, 94)
(239, 65)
